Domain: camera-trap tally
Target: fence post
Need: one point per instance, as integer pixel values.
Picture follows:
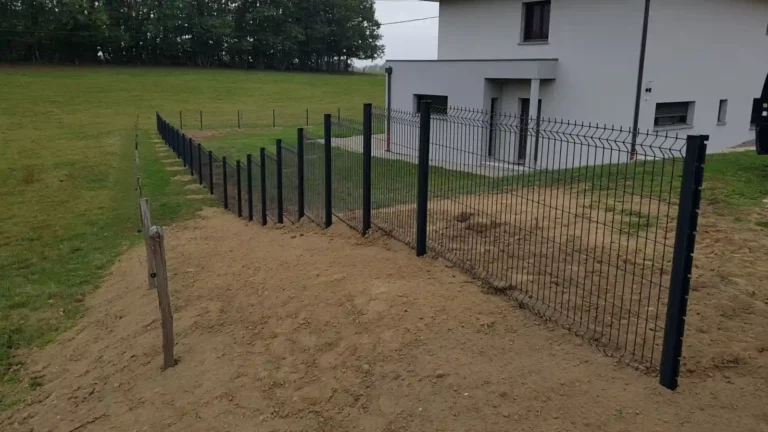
(210, 172)
(248, 172)
(160, 275)
(307, 122)
(273, 117)
(199, 164)
(224, 182)
(263, 185)
(338, 113)
(423, 182)
(300, 174)
(682, 259)
(238, 119)
(239, 190)
(181, 121)
(367, 138)
(279, 154)
(388, 70)
(328, 172)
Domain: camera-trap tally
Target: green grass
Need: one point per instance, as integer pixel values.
(69, 204)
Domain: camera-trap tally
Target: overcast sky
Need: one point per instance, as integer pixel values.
(414, 40)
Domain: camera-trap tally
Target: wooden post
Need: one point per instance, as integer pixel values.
(146, 224)
(160, 276)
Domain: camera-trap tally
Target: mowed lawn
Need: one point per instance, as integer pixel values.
(69, 202)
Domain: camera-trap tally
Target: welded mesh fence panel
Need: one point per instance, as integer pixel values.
(314, 178)
(195, 120)
(394, 174)
(556, 215)
(347, 170)
(231, 188)
(290, 183)
(192, 150)
(204, 167)
(218, 179)
(244, 189)
(271, 187)
(256, 182)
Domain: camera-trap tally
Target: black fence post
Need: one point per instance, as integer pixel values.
(682, 259)
(279, 158)
(328, 173)
(181, 121)
(300, 174)
(199, 164)
(388, 70)
(210, 172)
(224, 182)
(248, 172)
(422, 197)
(367, 139)
(307, 122)
(239, 190)
(263, 185)
(201, 119)
(238, 119)
(338, 113)
(273, 117)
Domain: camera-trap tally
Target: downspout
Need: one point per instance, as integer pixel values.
(639, 90)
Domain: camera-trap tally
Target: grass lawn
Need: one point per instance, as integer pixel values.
(69, 205)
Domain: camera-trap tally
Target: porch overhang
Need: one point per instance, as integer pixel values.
(535, 68)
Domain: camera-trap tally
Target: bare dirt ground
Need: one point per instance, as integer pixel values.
(295, 329)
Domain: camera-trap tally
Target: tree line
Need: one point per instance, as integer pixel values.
(264, 34)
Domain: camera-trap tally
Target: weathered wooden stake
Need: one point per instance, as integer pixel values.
(146, 224)
(160, 276)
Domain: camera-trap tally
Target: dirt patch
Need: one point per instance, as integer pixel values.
(199, 197)
(295, 329)
(599, 270)
(175, 168)
(183, 178)
(194, 187)
(202, 134)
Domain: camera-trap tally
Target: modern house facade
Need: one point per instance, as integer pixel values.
(705, 63)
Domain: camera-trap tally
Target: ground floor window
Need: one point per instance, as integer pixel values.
(670, 114)
(439, 103)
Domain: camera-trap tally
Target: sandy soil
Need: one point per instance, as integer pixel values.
(293, 329)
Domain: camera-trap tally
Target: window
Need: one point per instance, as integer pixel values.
(672, 114)
(756, 112)
(439, 103)
(722, 112)
(536, 21)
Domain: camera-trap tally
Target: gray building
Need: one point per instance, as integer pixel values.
(705, 64)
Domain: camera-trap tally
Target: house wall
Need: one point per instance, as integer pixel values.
(704, 51)
(596, 43)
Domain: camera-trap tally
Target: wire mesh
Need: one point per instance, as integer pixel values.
(394, 173)
(192, 154)
(204, 174)
(256, 185)
(347, 170)
(290, 183)
(244, 190)
(314, 178)
(218, 178)
(231, 188)
(557, 215)
(270, 167)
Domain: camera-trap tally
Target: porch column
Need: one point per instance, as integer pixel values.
(533, 114)
(534, 105)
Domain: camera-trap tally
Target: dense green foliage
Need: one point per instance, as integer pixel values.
(264, 34)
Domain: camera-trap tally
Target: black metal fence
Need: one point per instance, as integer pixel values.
(588, 226)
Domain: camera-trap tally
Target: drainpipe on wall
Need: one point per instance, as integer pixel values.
(388, 70)
(639, 90)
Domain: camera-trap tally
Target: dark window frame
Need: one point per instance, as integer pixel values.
(673, 114)
(722, 112)
(536, 18)
(439, 103)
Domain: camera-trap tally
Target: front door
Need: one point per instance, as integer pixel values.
(492, 129)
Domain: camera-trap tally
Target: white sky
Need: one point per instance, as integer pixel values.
(415, 40)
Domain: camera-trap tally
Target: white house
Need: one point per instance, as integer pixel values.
(705, 63)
